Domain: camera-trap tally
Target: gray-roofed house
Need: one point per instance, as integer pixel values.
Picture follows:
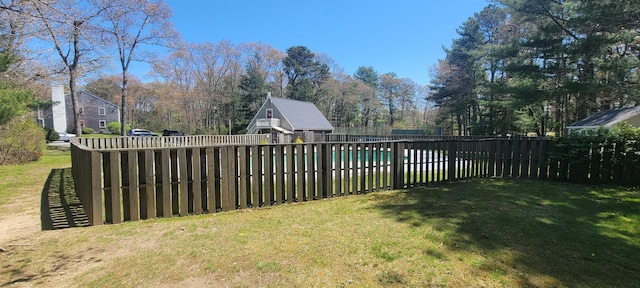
(286, 120)
(95, 112)
(607, 119)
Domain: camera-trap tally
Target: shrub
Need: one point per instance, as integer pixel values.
(114, 128)
(621, 144)
(87, 130)
(50, 134)
(21, 141)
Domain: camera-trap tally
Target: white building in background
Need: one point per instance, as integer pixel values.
(95, 112)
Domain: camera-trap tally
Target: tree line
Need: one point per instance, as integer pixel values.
(518, 66)
(538, 65)
(212, 88)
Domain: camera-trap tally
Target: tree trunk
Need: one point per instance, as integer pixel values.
(123, 105)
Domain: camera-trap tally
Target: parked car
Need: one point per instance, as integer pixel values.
(64, 136)
(166, 132)
(140, 132)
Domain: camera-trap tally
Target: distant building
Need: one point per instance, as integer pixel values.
(607, 119)
(286, 120)
(95, 112)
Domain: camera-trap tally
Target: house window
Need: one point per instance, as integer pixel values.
(103, 124)
(269, 113)
(102, 111)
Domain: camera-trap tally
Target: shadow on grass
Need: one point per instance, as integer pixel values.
(542, 233)
(60, 207)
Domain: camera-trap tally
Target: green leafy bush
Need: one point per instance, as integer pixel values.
(87, 130)
(114, 128)
(50, 134)
(13, 102)
(616, 150)
(21, 141)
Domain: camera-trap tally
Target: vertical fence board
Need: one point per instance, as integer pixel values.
(175, 187)
(386, 151)
(256, 176)
(280, 171)
(328, 170)
(149, 203)
(321, 150)
(183, 179)
(500, 158)
(525, 151)
(451, 160)
(338, 157)
(244, 185)
(225, 178)
(300, 172)
(618, 164)
(509, 155)
(370, 164)
(491, 159)
(422, 168)
(378, 164)
(134, 186)
(596, 160)
(607, 154)
(196, 186)
(535, 160)
(516, 158)
(362, 171)
(204, 193)
(463, 160)
(211, 179)
(190, 180)
(95, 188)
(544, 159)
(113, 203)
(553, 163)
(125, 166)
(290, 174)
(397, 165)
(563, 173)
(311, 171)
(268, 175)
(435, 162)
(346, 159)
(414, 176)
(163, 183)
(233, 183)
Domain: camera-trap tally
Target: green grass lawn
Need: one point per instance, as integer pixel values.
(491, 233)
(27, 179)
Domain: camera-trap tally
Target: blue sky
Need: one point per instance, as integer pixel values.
(403, 36)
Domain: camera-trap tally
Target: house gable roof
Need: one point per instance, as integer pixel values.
(301, 115)
(607, 118)
(97, 98)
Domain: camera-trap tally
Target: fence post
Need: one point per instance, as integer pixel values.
(95, 193)
(451, 160)
(397, 165)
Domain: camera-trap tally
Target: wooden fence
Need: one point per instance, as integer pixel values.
(172, 141)
(127, 184)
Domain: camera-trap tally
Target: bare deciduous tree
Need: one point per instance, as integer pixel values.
(134, 26)
(68, 25)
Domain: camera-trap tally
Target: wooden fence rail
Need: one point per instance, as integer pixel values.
(129, 184)
(171, 141)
